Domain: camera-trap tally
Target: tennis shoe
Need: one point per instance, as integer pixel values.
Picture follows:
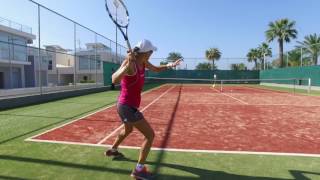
(113, 154)
(144, 174)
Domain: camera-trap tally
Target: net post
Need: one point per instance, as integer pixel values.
(221, 82)
(294, 86)
(309, 85)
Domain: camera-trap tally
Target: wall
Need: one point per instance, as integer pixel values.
(305, 72)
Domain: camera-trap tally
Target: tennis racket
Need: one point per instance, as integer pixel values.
(119, 14)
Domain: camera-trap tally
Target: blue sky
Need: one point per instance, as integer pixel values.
(187, 26)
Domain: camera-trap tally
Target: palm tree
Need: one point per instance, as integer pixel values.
(205, 66)
(173, 56)
(295, 58)
(311, 45)
(238, 67)
(253, 56)
(265, 51)
(213, 54)
(282, 30)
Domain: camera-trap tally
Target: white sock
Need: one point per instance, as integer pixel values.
(114, 149)
(139, 167)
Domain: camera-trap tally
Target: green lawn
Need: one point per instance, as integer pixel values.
(31, 160)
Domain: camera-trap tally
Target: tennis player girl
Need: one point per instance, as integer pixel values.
(131, 76)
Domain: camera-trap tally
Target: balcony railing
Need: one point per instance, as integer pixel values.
(16, 26)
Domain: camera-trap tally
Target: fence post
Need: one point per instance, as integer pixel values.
(301, 57)
(294, 86)
(309, 85)
(95, 57)
(264, 61)
(75, 54)
(10, 63)
(287, 59)
(39, 50)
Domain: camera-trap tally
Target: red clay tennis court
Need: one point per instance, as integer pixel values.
(186, 117)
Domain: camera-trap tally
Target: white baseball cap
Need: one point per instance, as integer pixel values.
(145, 46)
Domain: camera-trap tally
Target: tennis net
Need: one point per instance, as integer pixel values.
(241, 85)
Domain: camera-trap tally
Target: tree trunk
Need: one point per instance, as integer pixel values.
(261, 65)
(212, 65)
(281, 52)
(255, 65)
(315, 59)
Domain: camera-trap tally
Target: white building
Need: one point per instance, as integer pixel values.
(90, 66)
(62, 69)
(15, 67)
(21, 66)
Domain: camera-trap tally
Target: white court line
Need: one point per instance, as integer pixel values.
(284, 93)
(270, 91)
(265, 104)
(183, 150)
(233, 104)
(69, 122)
(102, 109)
(116, 130)
(157, 98)
(232, 97)
(111, 134)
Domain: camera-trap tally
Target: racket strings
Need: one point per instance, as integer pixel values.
(118, 12)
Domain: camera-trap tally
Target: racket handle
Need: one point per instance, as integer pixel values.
(128, 44)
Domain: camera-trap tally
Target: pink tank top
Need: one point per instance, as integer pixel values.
(131, 87)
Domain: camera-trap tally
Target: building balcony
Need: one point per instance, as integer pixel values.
(17, 29)
(13, 54)
(16, 26)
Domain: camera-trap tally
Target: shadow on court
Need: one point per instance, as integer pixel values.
(218, 175)
(165, 141)
(301, 174)
(12, 178)
(52, 124)
(198, 173)
(27, 115)
(64, 164)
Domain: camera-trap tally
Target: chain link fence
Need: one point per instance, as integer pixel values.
(54, 54)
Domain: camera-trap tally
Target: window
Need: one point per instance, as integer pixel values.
(50, 65)
(99, 64)
(4, 46)
(83, 63)
(92, 64)
(18, 47)
(4, 37)
(4, 50)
